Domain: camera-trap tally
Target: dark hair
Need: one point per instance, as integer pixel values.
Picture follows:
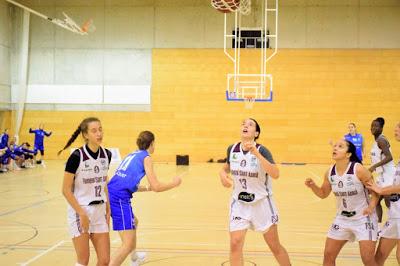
(144, 140)
(352, 149)
(83, 127)
(258, 129)
(381, 121)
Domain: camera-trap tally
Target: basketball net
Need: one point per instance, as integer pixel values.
(88, 26)
(244, 6)
(249, 102)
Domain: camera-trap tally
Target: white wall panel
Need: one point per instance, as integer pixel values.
(214, 28)
(179, 27)
(127, 94)
(129, 27)
(5, 23)
(41, 66)
(129, 3)
(292, 27)
(78, 66)
(5, 94)
(127, 67)
(380, 27)
(332, 27)
(379, 3)
(5, 66)
(74, 94)
(42, 32)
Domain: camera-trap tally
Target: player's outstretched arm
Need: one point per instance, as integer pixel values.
(156, 185)
(322, 191)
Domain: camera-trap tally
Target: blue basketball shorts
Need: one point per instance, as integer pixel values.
(122, 214)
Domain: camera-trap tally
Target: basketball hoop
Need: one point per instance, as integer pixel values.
(228, 6)
(88, 26)
(249, 101)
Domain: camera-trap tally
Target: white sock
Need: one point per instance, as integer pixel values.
(77, 264)
(134, 255)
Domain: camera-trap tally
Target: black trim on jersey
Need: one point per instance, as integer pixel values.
(237, 148)
(85, 156)
(333, 171)
(262, 149)
(351, 168)
(75, 159)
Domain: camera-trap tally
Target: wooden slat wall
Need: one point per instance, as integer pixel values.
(317, 92)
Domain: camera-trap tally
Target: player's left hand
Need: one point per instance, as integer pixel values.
(374, 187)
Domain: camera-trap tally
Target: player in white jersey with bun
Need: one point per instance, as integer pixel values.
(390, 234)
(250, 168)
(381, 161)
(85, 190)
(355, 218)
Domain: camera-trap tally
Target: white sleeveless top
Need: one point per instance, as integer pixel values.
(377, 156)
(394, 210)
(251, 182)
(91, 177)
(351, 194)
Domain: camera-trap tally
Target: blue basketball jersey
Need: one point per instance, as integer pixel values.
(3, 140)
(357, 140)
(128, 175)
(39, 136)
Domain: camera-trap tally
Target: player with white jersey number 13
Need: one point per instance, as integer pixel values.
(249, 168)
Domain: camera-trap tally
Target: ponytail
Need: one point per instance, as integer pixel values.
(352, 149)
(71, 140)
(82, 128)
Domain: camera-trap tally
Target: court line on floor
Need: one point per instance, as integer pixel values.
(216, 252)
(38, 203)
(42, 253)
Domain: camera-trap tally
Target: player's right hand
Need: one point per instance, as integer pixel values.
(226, 181)
(84, 220)
(177, 180)
(309, 182)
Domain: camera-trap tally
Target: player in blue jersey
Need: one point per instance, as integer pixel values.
(6, 159)
(4, 139)
(357, 139)
(39, 137)
(23, 154)
(123, 184)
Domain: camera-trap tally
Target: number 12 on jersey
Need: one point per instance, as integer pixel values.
(97, 191)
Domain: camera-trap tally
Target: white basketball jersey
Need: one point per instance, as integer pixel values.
(377, 156)
(351, 195)
(394, 210)
(251, 182)
(91, 177)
